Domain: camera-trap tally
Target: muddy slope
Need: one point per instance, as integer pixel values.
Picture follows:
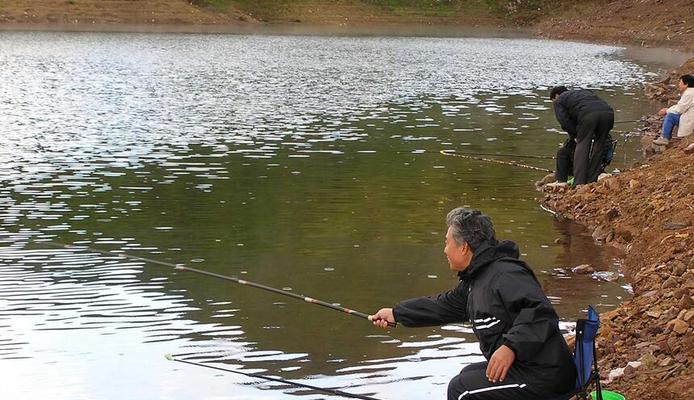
(651, 23)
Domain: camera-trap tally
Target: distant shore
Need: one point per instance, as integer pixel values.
(629, 22)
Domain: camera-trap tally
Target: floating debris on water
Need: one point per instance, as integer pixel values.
(607, 276)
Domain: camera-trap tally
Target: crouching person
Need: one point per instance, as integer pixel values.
(515, 324)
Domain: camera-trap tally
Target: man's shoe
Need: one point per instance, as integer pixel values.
(661, 141)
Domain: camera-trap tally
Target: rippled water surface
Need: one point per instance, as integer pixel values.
(310, 164)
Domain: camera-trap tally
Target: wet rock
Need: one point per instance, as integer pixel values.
(549, 178)
(582, 269)
(601, 232)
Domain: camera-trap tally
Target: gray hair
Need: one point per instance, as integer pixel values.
(471, 227)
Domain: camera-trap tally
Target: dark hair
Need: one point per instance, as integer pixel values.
(471, 227)
(688, 80)
(556, 91)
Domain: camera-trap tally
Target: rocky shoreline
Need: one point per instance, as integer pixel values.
(646, 345)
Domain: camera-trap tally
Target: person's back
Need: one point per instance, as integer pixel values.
(588, 120)
(581, 102)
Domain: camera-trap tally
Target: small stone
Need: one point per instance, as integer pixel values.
(634, 184)
(653, 314)
(612, 184)
(688, 315)
(611, 215)
(670, 283)
(680, 327)
(601, 232)
(665, 362)
(648, 360)
(672, 226)
(678, 268)
(582, 269)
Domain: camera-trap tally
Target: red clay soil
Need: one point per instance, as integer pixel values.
(651, 23)
(648, 212)
(67, 13)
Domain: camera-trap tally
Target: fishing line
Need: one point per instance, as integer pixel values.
(335, 392)
(234, 279)
(548, 128)
(509, 155)
(511, 163)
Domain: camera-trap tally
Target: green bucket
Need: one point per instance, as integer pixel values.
(607, 395)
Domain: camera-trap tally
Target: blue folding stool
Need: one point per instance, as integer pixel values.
(585, 358)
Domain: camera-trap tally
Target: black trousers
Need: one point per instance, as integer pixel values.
(472, 384)
(565, 161)
(591, 145)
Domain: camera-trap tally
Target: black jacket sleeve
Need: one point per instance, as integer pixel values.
(441, 309)
(561, 111)
(536, 321)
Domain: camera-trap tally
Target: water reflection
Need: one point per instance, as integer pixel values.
(304, 163)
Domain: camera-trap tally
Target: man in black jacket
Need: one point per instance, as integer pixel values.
(513, 320)
(588, 121)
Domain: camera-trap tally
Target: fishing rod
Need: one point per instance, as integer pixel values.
(225, 277)
(511, 163)
(335, 392)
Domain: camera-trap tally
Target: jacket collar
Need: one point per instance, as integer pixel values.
(486, 254)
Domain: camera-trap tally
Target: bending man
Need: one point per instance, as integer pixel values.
(588, 121)
(515, 324)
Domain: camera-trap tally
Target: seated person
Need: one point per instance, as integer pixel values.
(681, 114)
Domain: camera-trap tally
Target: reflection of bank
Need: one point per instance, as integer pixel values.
(571, 292)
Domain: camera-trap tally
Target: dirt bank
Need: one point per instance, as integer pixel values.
(648, 212)
(652, 23)
(311, 16)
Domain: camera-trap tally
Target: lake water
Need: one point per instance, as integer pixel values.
(310, 164)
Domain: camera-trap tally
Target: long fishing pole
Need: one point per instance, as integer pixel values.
(335, 392)
(225, 277)
(511, 163)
